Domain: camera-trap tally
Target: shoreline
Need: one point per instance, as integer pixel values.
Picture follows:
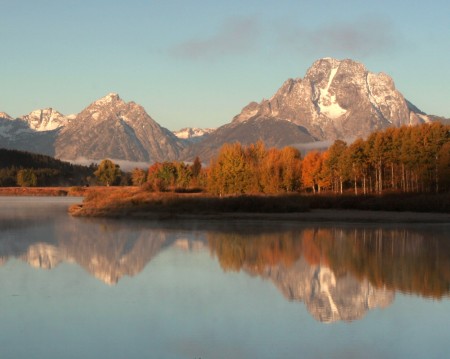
(314, 215)
(133, 203)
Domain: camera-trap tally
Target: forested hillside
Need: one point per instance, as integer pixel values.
(18, 168)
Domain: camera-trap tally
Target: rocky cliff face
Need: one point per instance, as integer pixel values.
(337, 100)
(112, 128)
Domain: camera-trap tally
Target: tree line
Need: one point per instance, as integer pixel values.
(20, 168)
(405, 159)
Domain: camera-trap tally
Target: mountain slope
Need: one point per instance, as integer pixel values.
(273, 132)
(16, 134)
(109, 127)
(338, 99)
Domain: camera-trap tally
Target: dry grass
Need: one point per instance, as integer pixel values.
(134, 201)
(34, 191)
(128, 201)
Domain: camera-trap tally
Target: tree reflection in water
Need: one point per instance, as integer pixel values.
(338, 272)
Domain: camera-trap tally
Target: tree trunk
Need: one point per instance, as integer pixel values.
(392, 176)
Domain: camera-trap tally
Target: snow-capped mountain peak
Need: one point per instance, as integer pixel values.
(192, 132)
(337, 99)
(46, 119)
(108, 99)
(5, 116)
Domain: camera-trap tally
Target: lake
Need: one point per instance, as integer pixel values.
(96, 288)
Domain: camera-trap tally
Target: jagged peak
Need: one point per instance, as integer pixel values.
(329, 62)
(5, 116)
(108, 99)
(45, 111)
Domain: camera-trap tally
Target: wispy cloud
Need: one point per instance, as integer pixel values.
(236, 36)
(361, 37)
(124, 165)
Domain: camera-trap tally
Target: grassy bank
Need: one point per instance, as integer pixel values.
(136, 202)
(117, 202)
(398, 202)
(43, 191)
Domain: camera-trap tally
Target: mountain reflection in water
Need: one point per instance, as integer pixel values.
(338, 272)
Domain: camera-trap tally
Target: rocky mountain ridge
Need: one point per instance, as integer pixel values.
(193, 134)
(110, 127)
(336, 99)
(107, 128)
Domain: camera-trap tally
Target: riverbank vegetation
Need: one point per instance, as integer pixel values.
(397, 160)
(403, 169)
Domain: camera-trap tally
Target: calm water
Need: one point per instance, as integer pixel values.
(74, 288)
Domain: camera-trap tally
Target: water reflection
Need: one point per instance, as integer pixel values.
(411, 259)
(339, 273)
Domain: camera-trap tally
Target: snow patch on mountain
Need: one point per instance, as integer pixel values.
(111, 97)
(45, 120)
(192, 132)
(5, 116)
(327, 101)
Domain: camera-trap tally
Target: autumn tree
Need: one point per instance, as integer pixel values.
(138, 177)
(229, 173)
(443, 175)
(27, 178)
(337, 165)
(357, 159)
(312, 166)
(196, 167)
(107, 172)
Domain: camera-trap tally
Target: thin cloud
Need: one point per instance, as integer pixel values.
(362, 37)
(236, 36)
(123, 164)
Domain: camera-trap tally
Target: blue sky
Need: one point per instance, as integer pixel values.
(198, 62)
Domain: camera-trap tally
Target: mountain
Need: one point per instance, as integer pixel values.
(16, 134)
(107, 128)
(273, 132)
(45, 120)
(110, 127)
(337, 99)
(193, 134)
